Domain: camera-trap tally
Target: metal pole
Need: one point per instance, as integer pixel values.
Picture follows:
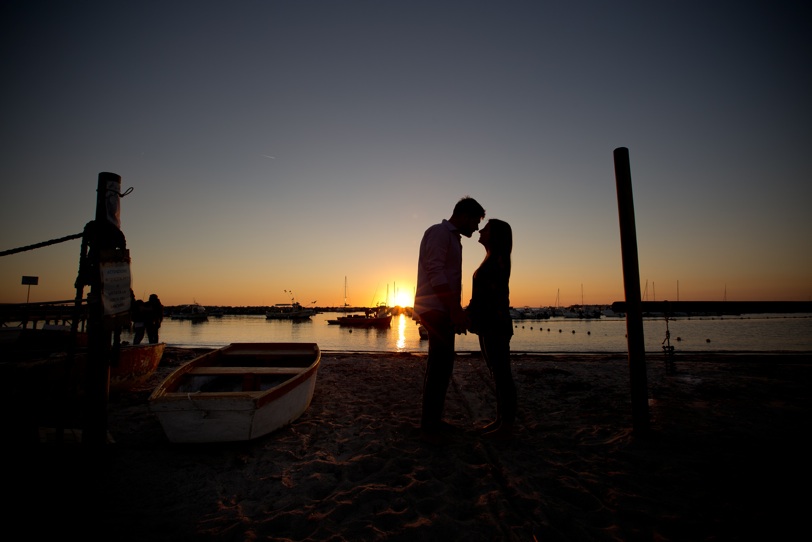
(631, 286)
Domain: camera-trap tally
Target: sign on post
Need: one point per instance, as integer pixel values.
(115, 286)
(30, 281)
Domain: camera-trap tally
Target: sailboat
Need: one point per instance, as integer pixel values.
(344, 308)
(588, 312)
(379, 317)
(556, 310)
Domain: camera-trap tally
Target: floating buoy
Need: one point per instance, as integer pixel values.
(559, 331)
(589, 333)
(679, 338)
(573, 332)
(707, 340)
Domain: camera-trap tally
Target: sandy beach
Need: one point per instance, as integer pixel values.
(725, 459)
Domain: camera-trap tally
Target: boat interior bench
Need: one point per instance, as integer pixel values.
(246, 378)
(219, 370)
(263, 353)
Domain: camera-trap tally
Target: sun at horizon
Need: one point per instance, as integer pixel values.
(404, 298)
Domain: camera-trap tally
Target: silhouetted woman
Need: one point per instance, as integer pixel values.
(489, 311)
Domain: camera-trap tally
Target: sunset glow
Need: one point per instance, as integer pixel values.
(404, 298)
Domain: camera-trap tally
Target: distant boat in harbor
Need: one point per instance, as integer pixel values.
(380, 317)
(527, 313)
(289, 311)
(194, 312)
(423, 332)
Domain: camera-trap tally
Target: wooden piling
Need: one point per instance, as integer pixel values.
(94, 433)
(631, 285)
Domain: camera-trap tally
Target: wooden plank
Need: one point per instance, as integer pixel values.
(219, 370)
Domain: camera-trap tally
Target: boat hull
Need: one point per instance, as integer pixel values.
(289, 311)
(237, 393)
(190, 317)
(364, 321)
(299, 315)
(134, 365)
(193, 313)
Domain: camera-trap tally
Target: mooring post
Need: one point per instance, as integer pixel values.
(631, 285)
(97, 377)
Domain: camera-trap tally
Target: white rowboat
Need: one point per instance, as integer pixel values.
(237, 393)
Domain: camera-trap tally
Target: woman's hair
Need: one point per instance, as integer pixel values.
(501, 243)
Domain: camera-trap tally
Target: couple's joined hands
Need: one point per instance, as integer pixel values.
(460, 321)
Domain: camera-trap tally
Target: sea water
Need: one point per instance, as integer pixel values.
(760, 333)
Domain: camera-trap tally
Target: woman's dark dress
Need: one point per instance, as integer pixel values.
(489, 311)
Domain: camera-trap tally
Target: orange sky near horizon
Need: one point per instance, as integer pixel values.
(235, 283)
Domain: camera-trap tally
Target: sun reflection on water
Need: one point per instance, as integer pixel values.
(401, 344)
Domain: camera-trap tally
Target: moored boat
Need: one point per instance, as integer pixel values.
(237, 393)
(193, 312)
(46, 386)
(380, 317)
(423, 332)
(289, 311)
(133, 365)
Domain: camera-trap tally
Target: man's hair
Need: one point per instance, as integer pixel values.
(468, 206)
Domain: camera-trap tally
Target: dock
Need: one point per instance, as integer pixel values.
(47, 312)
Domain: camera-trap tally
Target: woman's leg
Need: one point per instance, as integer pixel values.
(496, 351)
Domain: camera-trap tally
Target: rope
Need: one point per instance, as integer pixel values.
(40, 245)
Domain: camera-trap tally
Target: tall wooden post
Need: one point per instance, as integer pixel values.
(631, 286)
(97, 375)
